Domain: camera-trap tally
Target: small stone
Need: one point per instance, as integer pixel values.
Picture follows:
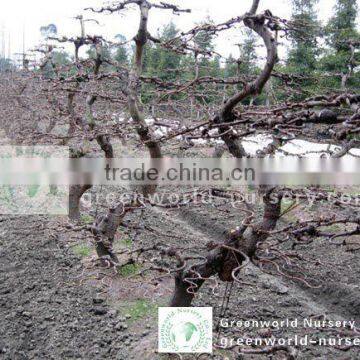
(121, 326)
(268, 310)
(282, 290)
(98, 300)
(99, 311)
(2, 348)
(112, 313)
(118, 326)
(265, 333)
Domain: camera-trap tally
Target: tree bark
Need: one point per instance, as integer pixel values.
(145, 133)
(104, 229)
(221, 260)
(75, 194)
(257, 24)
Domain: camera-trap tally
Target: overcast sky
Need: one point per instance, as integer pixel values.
(30, 15)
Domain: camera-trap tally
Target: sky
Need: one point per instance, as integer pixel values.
(24, 16)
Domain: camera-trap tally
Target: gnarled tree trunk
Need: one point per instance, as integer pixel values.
(222, 260)
(75, 194)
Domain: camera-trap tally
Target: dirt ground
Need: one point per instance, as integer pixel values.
(56, 302)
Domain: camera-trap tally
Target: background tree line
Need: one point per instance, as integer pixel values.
(319, 56)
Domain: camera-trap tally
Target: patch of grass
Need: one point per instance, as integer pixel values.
(7, 193)
(285, 205)
(126, 242)
(128, 270)
(87, 219)
(287, 211)
(81, 250)
(334, 228)
(139, 309)
(355, 191)
(353, 137)
(53, 190)
(33, 190)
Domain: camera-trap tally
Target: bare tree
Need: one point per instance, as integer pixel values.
(85, 95)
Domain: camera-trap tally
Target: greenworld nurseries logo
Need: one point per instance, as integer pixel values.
(185, 330)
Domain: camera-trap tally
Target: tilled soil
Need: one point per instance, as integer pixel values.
(45, 312)
(54, 307)
(55, 302)
(264, 296)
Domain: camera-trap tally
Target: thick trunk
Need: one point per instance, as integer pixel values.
(105, 251)
(105, 145)
(181, 296)
(144, 132)
(257, 24)
(104, 229)
(75, 194)
(223, 261)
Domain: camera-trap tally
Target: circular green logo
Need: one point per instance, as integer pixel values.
(185, 330)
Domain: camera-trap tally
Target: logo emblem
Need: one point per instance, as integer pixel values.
(185, 330)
